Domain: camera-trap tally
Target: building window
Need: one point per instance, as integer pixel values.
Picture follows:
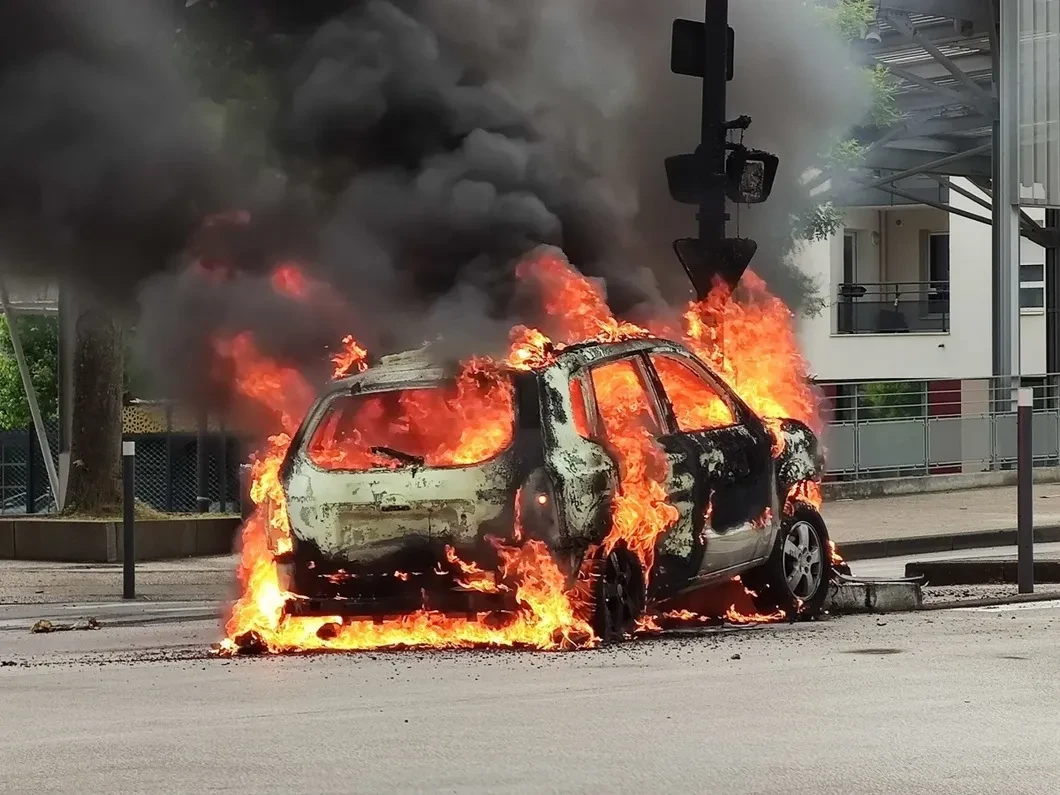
(850, 257)
(1032, 288)
(939, 258)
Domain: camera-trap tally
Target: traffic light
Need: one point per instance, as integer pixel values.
(718, 169)
(688, 49)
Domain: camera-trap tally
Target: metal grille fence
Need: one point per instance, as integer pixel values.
(907, 428)
(165, 471)
(880, 429)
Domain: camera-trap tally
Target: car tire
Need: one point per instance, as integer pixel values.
(796, 577)
(618, 594)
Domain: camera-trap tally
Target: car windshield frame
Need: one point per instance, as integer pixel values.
(306, 434)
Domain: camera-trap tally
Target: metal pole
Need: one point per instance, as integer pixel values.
(1052, 299)
(712, 215)
(31, 473)
(31, 393)
(67, 355)
(222, 464)
(128, 476)
(202, 501)
(169, 457)
(1006, 201)
(1024, 498)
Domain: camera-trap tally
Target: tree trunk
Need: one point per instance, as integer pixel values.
(95, 445)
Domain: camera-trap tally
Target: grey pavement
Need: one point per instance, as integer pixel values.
(947, 513)
(955, 701)
(31, 582)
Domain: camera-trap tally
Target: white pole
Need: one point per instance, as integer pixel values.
(1006, 194)
(31, 396)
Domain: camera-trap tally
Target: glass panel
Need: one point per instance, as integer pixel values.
(850, 257)
(939, 262)
(1032, 273)
(1032, 297)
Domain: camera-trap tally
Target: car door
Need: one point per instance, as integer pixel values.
(630, 424)
(734, 465)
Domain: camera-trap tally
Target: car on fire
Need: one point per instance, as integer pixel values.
(390, 479)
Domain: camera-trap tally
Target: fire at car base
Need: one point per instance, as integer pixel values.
(758, 359)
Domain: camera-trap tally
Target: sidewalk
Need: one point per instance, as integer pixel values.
(195, 579)
(882, 527)
(888, 526)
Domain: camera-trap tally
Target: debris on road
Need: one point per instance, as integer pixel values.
(44, 625)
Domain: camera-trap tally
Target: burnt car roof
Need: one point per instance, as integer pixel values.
(418, 367)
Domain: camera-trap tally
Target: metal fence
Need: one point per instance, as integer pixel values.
(908, 428)
(165, 471)
(893, 307)
(877, 429)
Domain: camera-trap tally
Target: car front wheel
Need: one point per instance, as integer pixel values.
(795, 578)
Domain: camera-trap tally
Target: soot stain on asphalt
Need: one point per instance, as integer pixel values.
(879, 652)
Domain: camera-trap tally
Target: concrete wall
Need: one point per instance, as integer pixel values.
(85, 541)
(970, 248)
(963, 352)
(895, 253)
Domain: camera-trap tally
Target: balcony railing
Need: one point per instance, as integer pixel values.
(893, 307)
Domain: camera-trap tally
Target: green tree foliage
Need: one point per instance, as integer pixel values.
(40, 343)
(851, 19)
(891, 400)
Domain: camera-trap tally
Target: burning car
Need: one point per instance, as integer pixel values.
(642, 472)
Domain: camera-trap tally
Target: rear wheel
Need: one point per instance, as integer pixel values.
(619, 595)
(796, 576)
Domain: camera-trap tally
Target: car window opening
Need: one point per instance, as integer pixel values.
(696, 403)
(454, 424)
(623, 400)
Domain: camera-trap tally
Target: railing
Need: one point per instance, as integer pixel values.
(908, 428)
(893, 307)
(165, 470)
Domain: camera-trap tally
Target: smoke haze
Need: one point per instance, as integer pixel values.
(456, 136)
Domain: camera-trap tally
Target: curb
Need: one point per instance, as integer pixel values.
(875, 597)
(980, 571)
(922, 545)
(1015, 599)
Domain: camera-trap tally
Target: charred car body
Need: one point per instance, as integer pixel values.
(370, 536)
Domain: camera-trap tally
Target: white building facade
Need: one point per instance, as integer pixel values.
(903, 348)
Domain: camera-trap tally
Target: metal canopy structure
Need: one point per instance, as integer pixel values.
(943, 58)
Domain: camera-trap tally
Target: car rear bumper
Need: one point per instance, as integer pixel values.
(379, 608)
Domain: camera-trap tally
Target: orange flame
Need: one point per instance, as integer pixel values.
(352, 358)
(806, 492)
(758, 358)
(749, 340)
(289, 280)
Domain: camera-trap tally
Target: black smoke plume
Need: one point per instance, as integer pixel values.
(421, 148)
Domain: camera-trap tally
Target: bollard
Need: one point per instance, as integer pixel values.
(128, 476)
(202, 502)
(1024, 492)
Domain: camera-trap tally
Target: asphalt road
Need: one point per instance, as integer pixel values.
(951, 701)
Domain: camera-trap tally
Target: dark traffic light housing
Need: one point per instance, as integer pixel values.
(750, 174)
(688, 49)
(707, 261)
(717, 170)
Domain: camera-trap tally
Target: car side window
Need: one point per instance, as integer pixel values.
(623, 399)
(582, 424)
(696, 403)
